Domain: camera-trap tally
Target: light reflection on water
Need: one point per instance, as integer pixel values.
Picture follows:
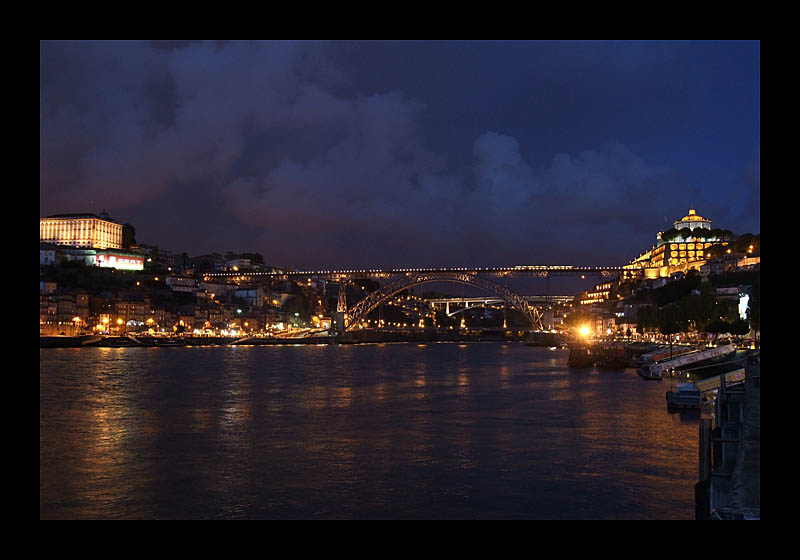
(367, 431)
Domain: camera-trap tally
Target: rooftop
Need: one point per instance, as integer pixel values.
(102, 216)
(693, 217)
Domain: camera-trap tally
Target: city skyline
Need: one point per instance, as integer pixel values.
(375, 154)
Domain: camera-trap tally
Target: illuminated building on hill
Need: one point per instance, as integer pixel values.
(81, 230)
(688, 249)
(692, 221)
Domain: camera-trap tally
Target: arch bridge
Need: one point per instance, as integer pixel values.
(360, 310)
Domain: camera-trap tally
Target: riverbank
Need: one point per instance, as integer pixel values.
(615, 355)
(356, 337)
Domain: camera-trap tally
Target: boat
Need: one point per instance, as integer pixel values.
(685, 395)
(663, 353)
(59, 342)
(544, 339)
(713, 383)
(581, 357)
(718, 366)
(612, 356)
(169, 342)
(119, 342)
(660, 369)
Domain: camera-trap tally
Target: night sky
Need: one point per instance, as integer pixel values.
(390, 154)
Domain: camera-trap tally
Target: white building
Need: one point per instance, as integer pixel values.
(179, 284)
(81, 230)
(692, 221)
(253, 296)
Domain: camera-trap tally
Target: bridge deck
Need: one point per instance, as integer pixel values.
(514, 271)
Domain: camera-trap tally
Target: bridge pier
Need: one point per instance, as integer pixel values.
(341, 311)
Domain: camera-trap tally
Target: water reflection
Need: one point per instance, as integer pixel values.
(436, 430)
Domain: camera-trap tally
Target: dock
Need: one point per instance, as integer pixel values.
(729, 486)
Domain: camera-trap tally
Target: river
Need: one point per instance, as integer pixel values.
(372, 431)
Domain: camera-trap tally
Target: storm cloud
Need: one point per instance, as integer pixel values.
(286, 148)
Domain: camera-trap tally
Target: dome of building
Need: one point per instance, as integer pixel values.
(692, 220)
(692, 216)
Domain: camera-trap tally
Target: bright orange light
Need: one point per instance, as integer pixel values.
(584, 331)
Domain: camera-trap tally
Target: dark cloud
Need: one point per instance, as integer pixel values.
(374, 154)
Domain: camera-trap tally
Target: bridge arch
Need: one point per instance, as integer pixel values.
(475, 305)
(361, 309)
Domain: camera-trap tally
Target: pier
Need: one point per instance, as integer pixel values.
(729, 486)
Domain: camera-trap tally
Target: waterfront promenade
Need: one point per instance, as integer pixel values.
(745, 491)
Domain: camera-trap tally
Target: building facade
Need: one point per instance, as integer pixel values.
(690, 249)
(692, 221)
(81, 230)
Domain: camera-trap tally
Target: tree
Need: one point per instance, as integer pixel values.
(740, 327)
(646, 318)
(745, 241)
(716, 252)
(670, 234)
(717, 327)
(700, 309)
(669, 323)
(128, 236)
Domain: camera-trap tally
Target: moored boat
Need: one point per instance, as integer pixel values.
(612, 356)
(581, 356)
(685, 395)
(666, 367)
(169, 342)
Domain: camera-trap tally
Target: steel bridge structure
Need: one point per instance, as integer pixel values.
(527, 271)
(466, 303)
(374, 299)
(399, 279)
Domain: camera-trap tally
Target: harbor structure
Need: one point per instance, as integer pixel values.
(729, 484)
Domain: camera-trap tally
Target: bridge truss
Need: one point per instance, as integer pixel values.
(364, 307)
